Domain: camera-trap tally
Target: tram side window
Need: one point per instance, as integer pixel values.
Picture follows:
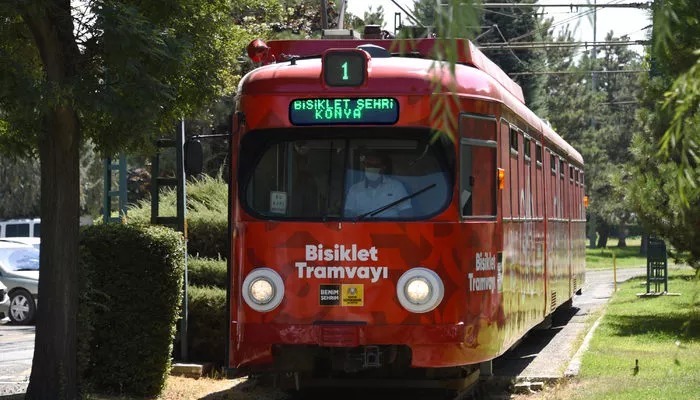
(478, 166)
(526, 149)
(539, 176)
(553, 163)
(561, 168)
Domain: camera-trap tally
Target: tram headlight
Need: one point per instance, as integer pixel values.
(263, 289)
(420, 290)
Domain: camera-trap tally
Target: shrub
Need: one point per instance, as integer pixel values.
(206, 272)
(207, 235)
(207, 215)
(133, 301)
(207, 324)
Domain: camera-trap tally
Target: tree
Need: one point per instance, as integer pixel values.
(664, 190)
(676, 56)
(616, 124)
(514, 24)
(118, 73)
(19, 188)
(375, 17)
(425, 12)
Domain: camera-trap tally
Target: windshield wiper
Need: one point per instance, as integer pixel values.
(393, 203)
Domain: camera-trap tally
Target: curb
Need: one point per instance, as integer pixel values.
(575, 364)
(190, 370)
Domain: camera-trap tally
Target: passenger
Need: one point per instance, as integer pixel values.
(376, 190)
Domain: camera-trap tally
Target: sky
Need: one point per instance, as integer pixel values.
(622, 21)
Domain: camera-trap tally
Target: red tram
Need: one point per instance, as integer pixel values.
(392, 219)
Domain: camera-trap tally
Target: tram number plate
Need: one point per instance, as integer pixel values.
(370, 110)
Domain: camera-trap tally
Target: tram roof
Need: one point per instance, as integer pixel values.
(476, 75)
(467, 53)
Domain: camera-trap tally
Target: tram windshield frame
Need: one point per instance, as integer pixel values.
(317, 173)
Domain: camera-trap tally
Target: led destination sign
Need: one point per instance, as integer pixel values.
(381, 110)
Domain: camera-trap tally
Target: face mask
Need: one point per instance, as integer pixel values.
(372, 174)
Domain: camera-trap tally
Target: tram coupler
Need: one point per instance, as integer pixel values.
(372, 357)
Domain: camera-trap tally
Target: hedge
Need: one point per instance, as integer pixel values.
(207, 234)
(207, 215)
(206, 272)
(207, 324)
(207, 246)
(130, 306)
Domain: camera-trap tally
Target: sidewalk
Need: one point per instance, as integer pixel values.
(16, 351)
(549, 355)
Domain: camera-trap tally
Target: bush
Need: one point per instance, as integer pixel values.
(132, 301)
(207, 244)
(207, 215)
(206, 272)
(207, 235)
(207, 324)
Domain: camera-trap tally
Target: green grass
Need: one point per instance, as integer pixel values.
(663, 333)
(628, 257)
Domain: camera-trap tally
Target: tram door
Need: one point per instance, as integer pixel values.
(477, 200)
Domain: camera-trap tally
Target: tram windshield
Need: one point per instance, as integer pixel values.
(345, 174)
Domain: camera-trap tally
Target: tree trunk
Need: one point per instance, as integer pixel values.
(592, 230)
(645, 243)
(54, 368)
(603, 234)
(622, 236)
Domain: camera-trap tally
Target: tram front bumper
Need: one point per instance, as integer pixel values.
(431, 345)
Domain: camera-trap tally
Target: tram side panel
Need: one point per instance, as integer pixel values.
(556, 277)
(523, 278)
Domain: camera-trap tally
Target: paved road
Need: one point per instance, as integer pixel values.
(545, 355)
(16, 352)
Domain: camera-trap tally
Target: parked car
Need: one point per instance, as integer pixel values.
(20, 228)
(4, 298)
(19, 272)
(32, 241)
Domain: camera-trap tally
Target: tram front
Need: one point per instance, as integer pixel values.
(346, 224)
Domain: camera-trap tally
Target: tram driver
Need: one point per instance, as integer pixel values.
(377, 190)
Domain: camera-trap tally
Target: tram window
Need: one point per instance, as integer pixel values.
(571, 172)
(478, 181)
(513, 139)
(553, 163)
(561, 167)
(477, 166)
(526, 150)
(538, 154)
(478, 127)
(306, 177)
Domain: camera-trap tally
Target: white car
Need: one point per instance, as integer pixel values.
(19, 272)
(4, 298)
(21, 227)
(32, 241)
